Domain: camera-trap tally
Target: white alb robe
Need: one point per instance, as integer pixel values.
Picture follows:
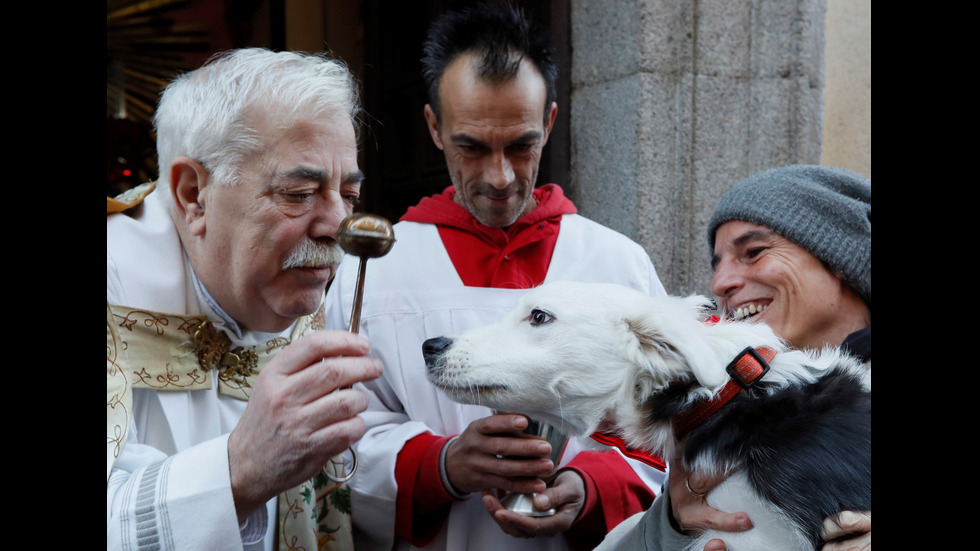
(170, 485)
(414, 293)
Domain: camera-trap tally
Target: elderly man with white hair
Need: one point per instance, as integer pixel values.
(226, 406)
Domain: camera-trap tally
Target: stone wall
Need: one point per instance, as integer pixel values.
(674, 101)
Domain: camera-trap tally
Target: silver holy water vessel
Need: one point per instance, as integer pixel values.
(524, 503)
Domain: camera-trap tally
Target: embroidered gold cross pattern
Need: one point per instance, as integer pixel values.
(214, 352)
(174, 352)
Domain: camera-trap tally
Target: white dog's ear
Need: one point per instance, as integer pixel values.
(652, 322)
(662, 359)
(651, 340)
(671, 336)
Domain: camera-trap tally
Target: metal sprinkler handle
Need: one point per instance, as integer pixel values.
(366, 236)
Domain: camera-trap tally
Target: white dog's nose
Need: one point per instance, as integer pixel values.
(433, 349)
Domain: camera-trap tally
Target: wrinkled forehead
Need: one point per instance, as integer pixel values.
(463, 89)
(737, 233)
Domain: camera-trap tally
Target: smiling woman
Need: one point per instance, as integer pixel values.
(792, 247)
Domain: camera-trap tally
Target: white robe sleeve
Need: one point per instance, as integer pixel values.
(170, 487)
(182, 501)
(374, 490)
(414, 293)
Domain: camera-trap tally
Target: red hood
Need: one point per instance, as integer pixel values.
(443, 211)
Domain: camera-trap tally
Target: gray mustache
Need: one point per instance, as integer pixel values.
(311, 254)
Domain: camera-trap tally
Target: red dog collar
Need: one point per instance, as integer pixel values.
(747, 368)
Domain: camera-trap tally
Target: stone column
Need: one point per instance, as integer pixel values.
(674, 101)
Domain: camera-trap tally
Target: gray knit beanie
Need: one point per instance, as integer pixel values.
(825, 210)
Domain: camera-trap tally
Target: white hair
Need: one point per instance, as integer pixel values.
(202, 114)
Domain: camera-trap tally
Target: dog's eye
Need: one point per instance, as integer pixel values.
(540, 317)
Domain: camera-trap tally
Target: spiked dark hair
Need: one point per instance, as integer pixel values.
(500, 34)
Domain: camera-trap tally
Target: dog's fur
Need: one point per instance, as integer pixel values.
(797, 445)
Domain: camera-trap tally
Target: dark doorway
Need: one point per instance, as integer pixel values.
(401, 164)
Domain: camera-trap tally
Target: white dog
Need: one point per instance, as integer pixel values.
(585, 357)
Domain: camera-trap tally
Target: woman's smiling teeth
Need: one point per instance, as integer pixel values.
(743, 312)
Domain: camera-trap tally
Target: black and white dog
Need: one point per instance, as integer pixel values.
(791, 429)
